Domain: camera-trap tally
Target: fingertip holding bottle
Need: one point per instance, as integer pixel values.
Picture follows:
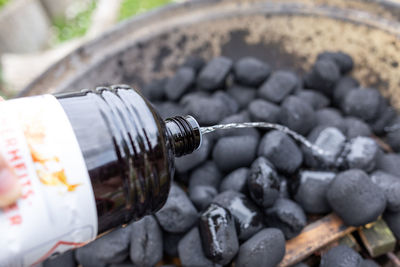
(10, 189)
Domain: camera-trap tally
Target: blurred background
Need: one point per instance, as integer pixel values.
(36, 33)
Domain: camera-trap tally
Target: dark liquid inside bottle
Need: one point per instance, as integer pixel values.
(128, 150)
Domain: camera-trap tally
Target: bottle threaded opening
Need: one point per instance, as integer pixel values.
(184, 132)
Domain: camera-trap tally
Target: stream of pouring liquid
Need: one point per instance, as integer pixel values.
(272, 126)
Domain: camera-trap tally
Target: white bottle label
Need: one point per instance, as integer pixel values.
(57, 210)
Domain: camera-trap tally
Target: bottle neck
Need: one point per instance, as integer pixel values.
(184, 133)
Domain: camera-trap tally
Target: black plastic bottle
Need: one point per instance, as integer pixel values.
(139, 146)
(128, 152)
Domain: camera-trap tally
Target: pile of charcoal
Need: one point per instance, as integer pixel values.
(245, 191)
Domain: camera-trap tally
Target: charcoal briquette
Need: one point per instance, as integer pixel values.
(286, 215)
(323, 76)
(297, 115)
(242, 94)
(190, 250)
(341, 256)
(206, 174)
(155, 90)
(264, 111)
(283, 187)
(188, 162)
(251, 71)
(202, 195)
(390, 185)
(281, 151)
(311, 191)
(385, 117)
(362, 153)
(110, 248)
(313, 98)
(266, 247)
(279, 85)
(146, 247)
(355, 198)
(342, 60)
(86, 256)
(368, 263)
(209, 109)
(342, 88)
(233, 152)
(214, 74)
(248, 217)
(180, 83)
(393, 137)
(227, 101)
(389, 163)
(393, 140)
(194, 62)
(363, 103)
(263, 182)
(218, 234)
(178, 214)
(169, 109)
(170, 244)
(394, 122)
(331, 141)
(330, 117)
(67, 259)
(192, 96)
(235, 181)
(355, 127)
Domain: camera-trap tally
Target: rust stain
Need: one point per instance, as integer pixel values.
(314, 237)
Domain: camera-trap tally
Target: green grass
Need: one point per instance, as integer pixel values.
(3, 3)
(67, 29)
(2, 85)
(134, 7)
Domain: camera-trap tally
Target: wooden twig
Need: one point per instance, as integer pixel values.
(385, 146)
(314, 237)
(395, 260)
